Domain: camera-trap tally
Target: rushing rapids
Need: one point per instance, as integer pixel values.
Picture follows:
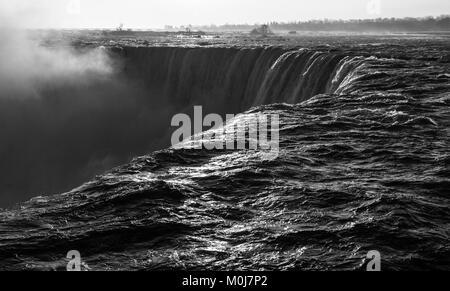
(363, 166)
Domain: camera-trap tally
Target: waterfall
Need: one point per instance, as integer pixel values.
(239, 78)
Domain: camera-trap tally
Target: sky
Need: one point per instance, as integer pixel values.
(158, 13)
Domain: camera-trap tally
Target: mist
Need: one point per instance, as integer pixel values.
(66, 115)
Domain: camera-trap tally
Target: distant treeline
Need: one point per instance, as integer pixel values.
(441, 23)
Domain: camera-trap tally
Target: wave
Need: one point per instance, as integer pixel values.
(362, 167)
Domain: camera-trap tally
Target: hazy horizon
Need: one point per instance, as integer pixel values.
(139, 14)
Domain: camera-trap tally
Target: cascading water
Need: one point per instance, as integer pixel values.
(236, 79)
(362, 166)
(135, 96)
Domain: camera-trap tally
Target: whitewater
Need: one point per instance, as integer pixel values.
(363, 165)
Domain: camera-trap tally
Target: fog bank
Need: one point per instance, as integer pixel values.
(66, 115)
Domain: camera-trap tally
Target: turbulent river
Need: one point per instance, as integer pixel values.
(363, 165)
